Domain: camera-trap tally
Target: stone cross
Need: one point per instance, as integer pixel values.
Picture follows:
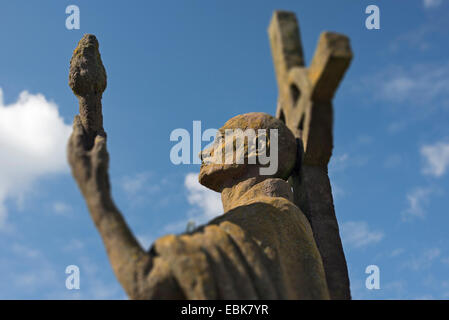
(305, 105)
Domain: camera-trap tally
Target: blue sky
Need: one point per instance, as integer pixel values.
(170, 63)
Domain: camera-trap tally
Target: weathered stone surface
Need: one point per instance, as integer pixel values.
(87, 78)
(240, 193)
(315, 195)
(261, 249)
(285, 43)
(330, 62)
(219, 176)
(305, 105)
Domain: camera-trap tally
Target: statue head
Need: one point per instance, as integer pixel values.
(247, 146)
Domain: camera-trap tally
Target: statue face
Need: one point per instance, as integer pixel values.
(237, 146)
(248, 145)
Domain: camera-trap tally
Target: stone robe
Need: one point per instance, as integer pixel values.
(261, 248)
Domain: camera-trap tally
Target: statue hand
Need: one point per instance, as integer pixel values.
(89, 167)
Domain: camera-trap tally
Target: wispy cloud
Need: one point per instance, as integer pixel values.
(24, 251)
(397, 252)
(337, 190)
(432, 3)
(396, 288)
(424, 36)
(134, 184)
(148, 188)
(340, 162)
(61, 208)
(393, 161)
(94, 285)
(140, 186)
(357, 234)
(74, 245)
(424, 260)
(426, 85)
(436, 158)
(417, 201)
(32, 270)
(364, 139)
(33, 138)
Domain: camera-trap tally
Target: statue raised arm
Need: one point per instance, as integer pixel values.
(89, 160)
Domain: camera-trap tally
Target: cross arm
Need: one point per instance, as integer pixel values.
(330, 62)
(286, 47)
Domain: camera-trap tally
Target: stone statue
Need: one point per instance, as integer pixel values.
(262, 247)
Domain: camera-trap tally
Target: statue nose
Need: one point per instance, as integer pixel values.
(206, 153)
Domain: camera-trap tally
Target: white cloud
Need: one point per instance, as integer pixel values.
(424, 260)
(30, 273)
(364, 139)
(33, 138)
(74, 245)
(396, 287)
(206, 202)
(337, 191)
(426, 85)
(140, 187)
(41, 274)
(417, 200)
(436, 157)
(339, 163)
(356, 234)
(61, 208)
(396, 252)
(94, 286)
(134, 184)
(32, 276)
(432, 3)
(205, 205)
(24, 251)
